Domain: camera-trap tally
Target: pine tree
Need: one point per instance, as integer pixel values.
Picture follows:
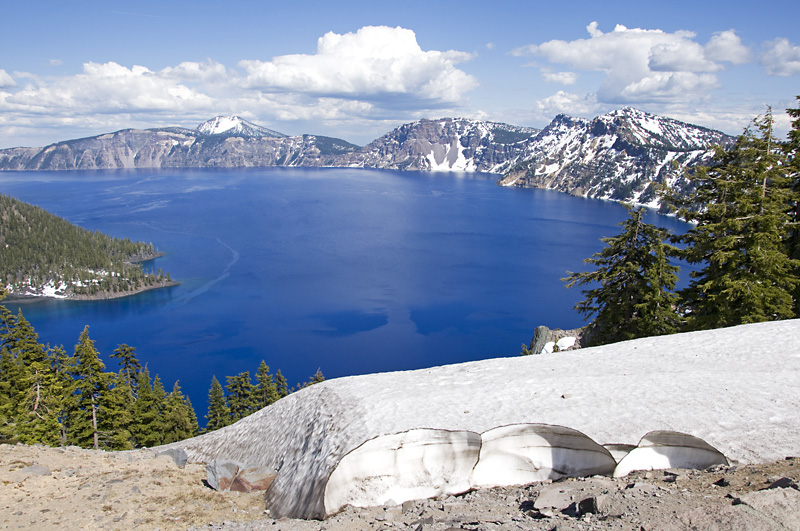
(179, 420)
(218, 412)
(634, 280)
(129, 365)
(266, 390)
(146, 427)
(281, 384)
(746, 275)
(792, 154)
(117, 419)
(91, 383)
(241, 395)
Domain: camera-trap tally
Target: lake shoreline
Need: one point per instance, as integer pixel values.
(23, 298)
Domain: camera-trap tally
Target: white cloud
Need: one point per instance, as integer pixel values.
(209, 72)
(373, 62)
(781, 58)
(6, 80)
(645, 65)
(727, 46)
(567, 103)
(565, 78)
(54, 62)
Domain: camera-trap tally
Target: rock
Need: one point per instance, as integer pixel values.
(779, 504)
(36, 470)
(178, 456)
(783, 482)
(225, 475)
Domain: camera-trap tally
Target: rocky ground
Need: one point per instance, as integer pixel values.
(50, 488)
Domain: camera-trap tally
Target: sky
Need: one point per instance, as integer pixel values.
(356, 70)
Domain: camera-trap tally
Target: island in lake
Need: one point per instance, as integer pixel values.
(43, 255)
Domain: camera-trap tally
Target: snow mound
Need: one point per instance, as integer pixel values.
(735, 388)
(668, 449)
(236, 126)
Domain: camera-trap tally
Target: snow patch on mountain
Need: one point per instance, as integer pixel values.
(734, 388)
(236, 126)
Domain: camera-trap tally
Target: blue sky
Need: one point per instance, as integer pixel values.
(356, 70)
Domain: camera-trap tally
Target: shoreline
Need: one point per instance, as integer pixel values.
(23, 298)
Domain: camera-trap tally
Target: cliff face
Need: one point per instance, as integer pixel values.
(448, 144)
(624, 155)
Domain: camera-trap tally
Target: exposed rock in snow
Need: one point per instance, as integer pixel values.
(735, 388)
(669, 449)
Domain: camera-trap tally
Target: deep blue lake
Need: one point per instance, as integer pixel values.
(348, 270)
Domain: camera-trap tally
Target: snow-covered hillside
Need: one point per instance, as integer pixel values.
(734, 388)
(236, 126)
(624, 155)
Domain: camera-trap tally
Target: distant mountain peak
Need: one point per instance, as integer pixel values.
(236, 126)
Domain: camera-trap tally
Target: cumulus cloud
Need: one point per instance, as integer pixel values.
(727, 46)
(374, 61)
(565, 78)
(565, 102)
(781, 58)
(6, 81)
(645, 65)
(108, 87)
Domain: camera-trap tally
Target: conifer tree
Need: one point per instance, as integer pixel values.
(792, 154)
(129, 365)
(91, 383)
(634, 280)
(266, 390)
(146, 426)
(218, 413)
(241, 395)
(281, 384)
(739, 238)
(117, 420)
(179, 420)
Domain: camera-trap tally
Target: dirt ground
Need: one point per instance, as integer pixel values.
(52, 488)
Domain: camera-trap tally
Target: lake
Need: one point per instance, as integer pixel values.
(348, 270)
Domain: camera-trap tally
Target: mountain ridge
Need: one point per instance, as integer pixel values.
(624, 155)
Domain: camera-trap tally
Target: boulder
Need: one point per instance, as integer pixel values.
(227, 475)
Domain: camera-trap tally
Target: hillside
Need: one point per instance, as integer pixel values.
(622, 155)
(46, 255)
(733, 387)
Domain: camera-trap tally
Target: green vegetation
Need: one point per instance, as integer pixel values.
(746, 240)
(40, 249)
(245, 398)
(50, 397)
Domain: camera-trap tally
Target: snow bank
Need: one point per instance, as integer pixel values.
(735, 388)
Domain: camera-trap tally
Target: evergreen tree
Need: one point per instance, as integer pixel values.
(266, 390)
(146, 427)
(792, 154)
(179, 420)
(739, 238)
(241, 395)
(281, 385)
(117, 419)
(129, 365)
(91, 384)
(634, 280)
(218, 412)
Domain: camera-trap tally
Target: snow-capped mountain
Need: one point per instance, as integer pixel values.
(236, 126)
(447, 144)
(622, 155)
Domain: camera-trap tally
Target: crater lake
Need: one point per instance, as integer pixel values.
(351, 271)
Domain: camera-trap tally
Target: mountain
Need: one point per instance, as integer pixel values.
(623, 155)
(447, 144)
(235, 126)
